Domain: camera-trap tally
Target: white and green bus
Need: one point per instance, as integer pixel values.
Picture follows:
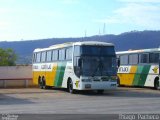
(139, 68)
(86, 65)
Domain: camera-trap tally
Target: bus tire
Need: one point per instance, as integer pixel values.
(70, 86)
(118, 82)
(40, 83)
(44, 83)
(156, 83)
(100, 91)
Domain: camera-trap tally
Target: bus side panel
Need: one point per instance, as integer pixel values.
(141, 75)
(60, 74)
(132, 75)
(127, 77)
(144, 75)
(50, 75)
(69, 73)
(124, 79)
(37, 73)
(153, 73)
(137, 75)
(35, 77)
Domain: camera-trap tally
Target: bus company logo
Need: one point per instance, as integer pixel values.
(155, 69)
(123, 69)
(46, 66)
(35, 66)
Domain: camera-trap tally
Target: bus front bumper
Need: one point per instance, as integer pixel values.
(97, 85)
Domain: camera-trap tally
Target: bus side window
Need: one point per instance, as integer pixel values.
(153, 57)
(54, 55)
(124, 59)
(144, 58)
(38, 57)
(34, 57)
(133, 59)
(49, 57)
(69, 53)
(62, 54)
(43, 56)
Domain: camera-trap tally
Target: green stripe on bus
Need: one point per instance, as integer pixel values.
(141, 75)
(144, 74)
(59, 74)
(137, 75)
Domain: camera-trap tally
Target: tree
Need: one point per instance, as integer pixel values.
(7, 57)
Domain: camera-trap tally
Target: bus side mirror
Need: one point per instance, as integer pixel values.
(80, 63)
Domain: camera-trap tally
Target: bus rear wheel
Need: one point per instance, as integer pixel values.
(40, 83)
(156, 84)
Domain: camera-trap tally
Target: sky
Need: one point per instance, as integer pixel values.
(40, 19)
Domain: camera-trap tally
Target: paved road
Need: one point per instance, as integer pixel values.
(58, 101)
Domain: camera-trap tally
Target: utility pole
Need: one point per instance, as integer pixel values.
(104, 29)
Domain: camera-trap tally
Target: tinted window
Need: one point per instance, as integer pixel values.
(49, 57)
(34, 57)
(77, 51)
(62, 54)
(69, 53)
(143, 58)
(38, 57)
(97, 50)
(43, 57)
(133, 59)
(124, 59)
(154, 57)
(54, 55)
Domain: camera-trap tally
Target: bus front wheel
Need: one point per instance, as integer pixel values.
(100, 91)
(70, 87)
(118, 82)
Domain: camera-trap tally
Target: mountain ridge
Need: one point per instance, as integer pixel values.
(124, 41)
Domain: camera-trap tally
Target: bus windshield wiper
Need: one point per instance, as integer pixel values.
(99, 66)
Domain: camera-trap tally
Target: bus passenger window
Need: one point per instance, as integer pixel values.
(69, 53)
(43, 57)
(153, 57)
(62, 54)
(34, 57)
(54, 55)
(144, 58)
(49, 56)
(38, 58)
(124, 59)
(133, 59)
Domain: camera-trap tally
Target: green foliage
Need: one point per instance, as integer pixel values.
(7, 57)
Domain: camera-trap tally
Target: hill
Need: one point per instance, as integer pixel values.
(124, 41)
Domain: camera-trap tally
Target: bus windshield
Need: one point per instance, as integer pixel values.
(97, 50)
(96, 60)
(98, 66)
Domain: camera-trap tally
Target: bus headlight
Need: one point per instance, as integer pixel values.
(114, 77)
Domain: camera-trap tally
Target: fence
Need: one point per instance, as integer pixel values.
(16, 76)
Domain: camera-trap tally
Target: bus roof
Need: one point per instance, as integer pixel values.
(138, 51)
(56, 46)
